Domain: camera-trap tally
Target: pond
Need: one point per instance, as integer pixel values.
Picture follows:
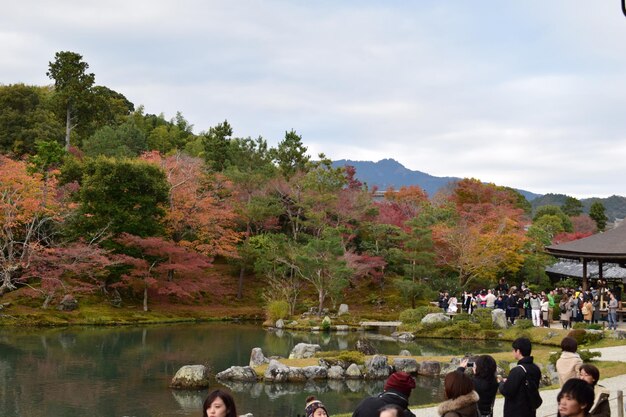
(125, 371)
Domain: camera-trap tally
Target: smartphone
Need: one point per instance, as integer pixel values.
(470, 364)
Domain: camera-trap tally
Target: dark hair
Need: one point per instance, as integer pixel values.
(579, 390)
(592, 371)
(569, 344)
(229, 402)
(523, 345)
(399, 410)
(457, 384)
(485, 367)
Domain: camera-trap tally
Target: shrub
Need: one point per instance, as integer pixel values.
(482, 316)
(277, 310)
(524, 323)
(326, 323)
(347, 356)
(462, 317)
(416, 315)
(586, 355)
(578, 334)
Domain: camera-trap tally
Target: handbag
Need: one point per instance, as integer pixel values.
(532, 391)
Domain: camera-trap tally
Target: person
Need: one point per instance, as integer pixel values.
(568, 364)
(490, 299)
(612, 312)
(390, 410)
(452, 305)
(552, 302)
(516, 398)
(535, 308)
(314, 408)
(596, 309)
(587, 310)
(575, 399)
(590, 374)
(485, 382)
(461, 399)
(397, 390)
(219, 403)
(545, 311)
(511, 307)
(566, 311)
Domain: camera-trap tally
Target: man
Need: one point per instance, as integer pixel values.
(518, 395)
(490, 299)
(551, 306)
(397, 390)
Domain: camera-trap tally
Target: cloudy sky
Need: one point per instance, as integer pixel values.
(529, 94)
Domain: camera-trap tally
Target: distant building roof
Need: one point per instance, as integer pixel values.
(609, 246)
(573, 268)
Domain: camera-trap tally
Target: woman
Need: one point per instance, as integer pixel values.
(612, 312)
(587, 311)
(314, 408)
(566, 311)
(453, 305)
(568, 364)
(461, 400)
(545, 311)
(596, 309)
(219, 403)
(485, 383)
(590, 374)
(575, 399)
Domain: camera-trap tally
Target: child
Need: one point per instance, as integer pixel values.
(575, 398)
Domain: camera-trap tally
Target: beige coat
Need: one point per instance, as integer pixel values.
(567, 366)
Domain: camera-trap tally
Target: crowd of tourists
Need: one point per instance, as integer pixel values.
(471, 389)
(575, 305)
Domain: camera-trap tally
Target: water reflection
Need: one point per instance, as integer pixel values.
(126, 371)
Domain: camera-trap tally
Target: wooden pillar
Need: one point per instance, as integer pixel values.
(585, 279)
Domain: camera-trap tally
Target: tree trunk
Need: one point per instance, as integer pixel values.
(68, 128)
(145, 298)
(242, 271)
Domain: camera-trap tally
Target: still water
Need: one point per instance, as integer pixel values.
(125, 371)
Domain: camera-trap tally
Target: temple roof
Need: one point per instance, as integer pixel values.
(609, 246)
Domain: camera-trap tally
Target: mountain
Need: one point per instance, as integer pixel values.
(614, 206)
(390, 173)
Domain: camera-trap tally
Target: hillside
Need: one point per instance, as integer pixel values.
(390, 173)
(615, 206)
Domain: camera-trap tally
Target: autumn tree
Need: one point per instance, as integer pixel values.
(165, 267)
(22, 218)
(73, 86)
(597, 213)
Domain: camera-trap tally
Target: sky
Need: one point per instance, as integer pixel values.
(529, 94)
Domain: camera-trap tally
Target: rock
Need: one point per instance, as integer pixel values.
(353, 372)
(315, 329)
(336, 372)
(294, 323)
(238, 373)
(279, 324)
(377, 367)
(68, 303)
(343, 309)
(404, 336)
(355, 385)
(549, 376)
(434, 318)
(429, 368)
(191, 377)
(295, 374)
(257, 357)
(404, 352)
(365, 347)
(304, 350)
(276, 372)
(408, 365)
(342, 327)
(498, 317)
(315, 372)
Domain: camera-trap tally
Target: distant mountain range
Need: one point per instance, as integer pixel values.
(390, 173)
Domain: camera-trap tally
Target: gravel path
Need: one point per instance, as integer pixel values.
(550, 406)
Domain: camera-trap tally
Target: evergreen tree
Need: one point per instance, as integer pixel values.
(597, 213)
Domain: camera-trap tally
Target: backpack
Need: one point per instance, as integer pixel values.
(532, 391)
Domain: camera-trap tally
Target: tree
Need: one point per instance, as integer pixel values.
(419, 260)
(597, 213)
(156, 262)
(22, 220)
(118, 141)
(572, 206)
(320, 262)
(554, 211)
(121, 196)
(73, 86)
(216, 146)
(290, 155)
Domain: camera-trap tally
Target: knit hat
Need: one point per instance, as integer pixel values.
(312, 406)
(401, 382)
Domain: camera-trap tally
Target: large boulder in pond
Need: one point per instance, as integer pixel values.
(238, 373)
(353, 372)
(335, 372)
(377, 367)
(304, 350)
(365, 347)
(408, 365)
(434, 318)
(429, 368)
(191, 377)
(257, 357)
(280, 323)
(315, 372)
(276, 372)
(498, 317)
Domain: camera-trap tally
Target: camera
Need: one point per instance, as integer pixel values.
(470, 364)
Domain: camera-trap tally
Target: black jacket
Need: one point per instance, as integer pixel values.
(486, 389)
(516, 403)
(369, 407)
